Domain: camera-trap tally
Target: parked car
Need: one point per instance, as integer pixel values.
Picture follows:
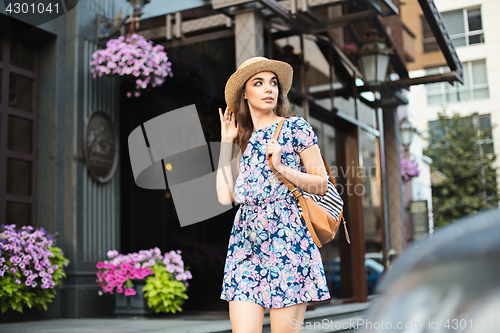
(374, 271)
(377, 256)
(447, 282)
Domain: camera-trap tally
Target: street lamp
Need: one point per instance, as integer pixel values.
(406, 133)
(373, 62)
(119, 23)
(373, 58)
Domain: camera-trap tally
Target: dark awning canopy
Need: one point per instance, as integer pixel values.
(435, 21)
(298, 17)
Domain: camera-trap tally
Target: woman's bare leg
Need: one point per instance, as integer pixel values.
(246, 316)
(288, 319)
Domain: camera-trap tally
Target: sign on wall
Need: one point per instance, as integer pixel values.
(419, 219)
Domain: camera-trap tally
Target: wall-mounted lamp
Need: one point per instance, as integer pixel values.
(406, 133)
(119, 23)
(373, 58)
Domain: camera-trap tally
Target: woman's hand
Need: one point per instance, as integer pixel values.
(274, 150)
(229, 130)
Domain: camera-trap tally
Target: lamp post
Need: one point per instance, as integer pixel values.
(373, 59)
(119, 23)
(406, 133)
(373, 62)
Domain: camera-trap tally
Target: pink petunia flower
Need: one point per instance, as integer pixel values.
(129, 292)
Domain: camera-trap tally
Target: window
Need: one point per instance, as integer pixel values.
(17, 124)
(429, 40)
(464, 26)
(484, 122)
(475, 85)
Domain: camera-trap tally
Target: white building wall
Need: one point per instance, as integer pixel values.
(421, 185)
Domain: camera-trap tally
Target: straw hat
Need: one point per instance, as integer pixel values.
(251, 67)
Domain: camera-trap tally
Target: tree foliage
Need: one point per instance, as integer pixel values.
(456, 147)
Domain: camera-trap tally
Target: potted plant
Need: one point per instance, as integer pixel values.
(144, 282)
(409, 169)
(134, 58)
(31, 267)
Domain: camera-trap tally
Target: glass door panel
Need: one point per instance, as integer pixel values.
(20, 135)
(18, 214)
(18, 177)
(21, 92)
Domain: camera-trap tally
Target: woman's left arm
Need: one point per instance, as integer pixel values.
(315, 180)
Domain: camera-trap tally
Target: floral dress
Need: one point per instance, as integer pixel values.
(272, 259)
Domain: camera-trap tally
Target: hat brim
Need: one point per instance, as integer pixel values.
(283, 71)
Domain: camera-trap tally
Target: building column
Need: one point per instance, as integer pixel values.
(395, 194)
(249, 35)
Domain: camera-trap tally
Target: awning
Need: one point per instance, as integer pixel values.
(435, 21)
(299, 17)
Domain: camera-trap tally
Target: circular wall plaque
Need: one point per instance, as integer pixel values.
(100, 146)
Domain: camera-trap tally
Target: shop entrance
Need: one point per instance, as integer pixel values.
(148, 216)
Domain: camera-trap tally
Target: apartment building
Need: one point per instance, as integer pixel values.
(474, 30)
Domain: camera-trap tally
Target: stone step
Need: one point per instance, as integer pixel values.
(333, 318)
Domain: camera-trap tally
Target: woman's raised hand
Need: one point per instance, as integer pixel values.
(229, 130)
(273, 152)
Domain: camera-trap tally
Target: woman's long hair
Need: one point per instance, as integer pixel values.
(244, 119)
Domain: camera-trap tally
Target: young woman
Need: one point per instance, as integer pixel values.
(272, 260)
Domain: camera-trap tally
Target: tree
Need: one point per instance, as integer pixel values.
(456, 147)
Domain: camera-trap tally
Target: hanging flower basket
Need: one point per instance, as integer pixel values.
(134, 58)
(409, 169)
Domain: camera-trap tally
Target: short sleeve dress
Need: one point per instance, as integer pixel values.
(272, 259)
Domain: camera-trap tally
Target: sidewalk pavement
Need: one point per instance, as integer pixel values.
(210, 322)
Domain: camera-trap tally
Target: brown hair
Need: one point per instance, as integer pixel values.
(244, 119)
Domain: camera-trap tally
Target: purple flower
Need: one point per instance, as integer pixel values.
(112, 253)
(409, 169)
(132, 56)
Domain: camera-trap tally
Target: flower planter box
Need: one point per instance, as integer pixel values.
(133, 306)
(162, 278)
